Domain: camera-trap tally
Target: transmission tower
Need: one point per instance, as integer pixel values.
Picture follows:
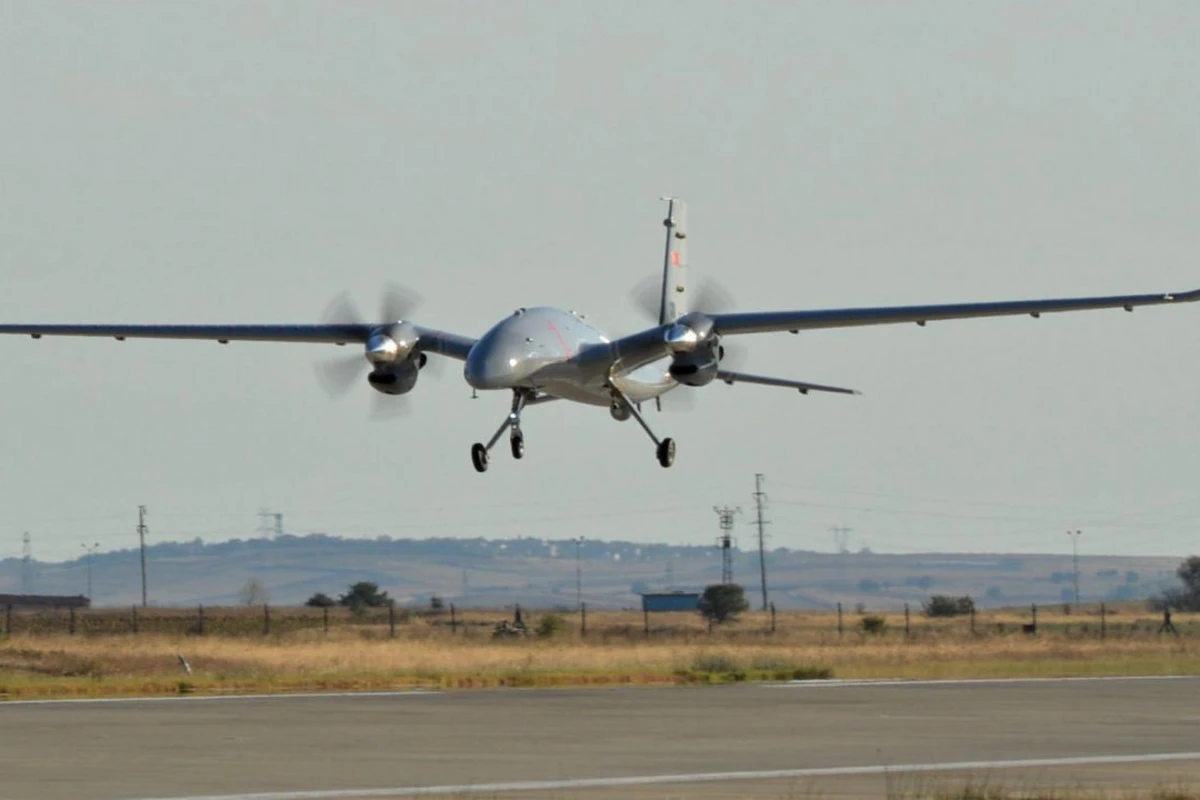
(760, 499)
(26, 564)
(725, 541)
(841, 538)
(265, 519)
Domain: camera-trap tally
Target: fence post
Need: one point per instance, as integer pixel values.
(71, 620)
(134, 619)
(583, 619)
(453, 621)
(907, 629)
(325, 617)
(8, 620)
(972, 619)
(392, 620)
(266, 619)
(839, 620)
(772, 616)
(200, 619)
(1103, 622)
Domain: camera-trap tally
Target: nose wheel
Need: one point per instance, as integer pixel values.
(517, 441)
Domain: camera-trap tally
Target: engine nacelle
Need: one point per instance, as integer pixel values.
(694, 369)
(397, 378)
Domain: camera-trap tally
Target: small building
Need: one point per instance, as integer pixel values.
(670, 601)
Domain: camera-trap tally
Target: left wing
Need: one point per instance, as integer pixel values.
(451, 345)
(762, 380)
(794, 321)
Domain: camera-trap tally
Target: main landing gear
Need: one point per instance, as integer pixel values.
(480, 452)
(623, 409)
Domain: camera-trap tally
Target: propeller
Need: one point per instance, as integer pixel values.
(392, 339)
(707, 297)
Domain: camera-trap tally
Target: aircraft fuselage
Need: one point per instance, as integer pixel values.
(539, 348)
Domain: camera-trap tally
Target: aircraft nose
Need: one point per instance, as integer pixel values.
(488, 367)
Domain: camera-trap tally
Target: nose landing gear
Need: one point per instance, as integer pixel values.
(480, 453)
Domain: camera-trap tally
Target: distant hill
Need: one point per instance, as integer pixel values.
(541, 573)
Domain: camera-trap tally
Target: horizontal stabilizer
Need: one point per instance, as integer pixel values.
(762, 380)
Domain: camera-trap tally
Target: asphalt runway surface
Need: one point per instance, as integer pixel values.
(811, 739)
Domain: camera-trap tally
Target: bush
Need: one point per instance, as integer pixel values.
(715, 662)
(550, 625)
(364, 594)
(320, 600)
(941, 605)
(722, 602)
(873, 624)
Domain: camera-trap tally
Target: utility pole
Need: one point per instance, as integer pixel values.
(278, 525)
(91, 551)
(141, 528)
(578, 575)
(759, 499)
(26, 564)
(725, 541)
(1075, 562)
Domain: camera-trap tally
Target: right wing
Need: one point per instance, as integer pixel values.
(451, 345)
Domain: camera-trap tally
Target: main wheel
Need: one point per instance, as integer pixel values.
(666, 452)
(479, 457)
(518, 445)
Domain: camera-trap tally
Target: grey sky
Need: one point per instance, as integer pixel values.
(234, 162)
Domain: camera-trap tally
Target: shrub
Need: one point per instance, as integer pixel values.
(364, 594)
(715, 662)
(873, 624)
(941, 605)
(722, 602)
(550, 625)
(320, 600)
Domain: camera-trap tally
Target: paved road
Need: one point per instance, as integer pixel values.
(798, 740)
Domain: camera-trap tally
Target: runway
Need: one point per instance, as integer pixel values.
(829, 739)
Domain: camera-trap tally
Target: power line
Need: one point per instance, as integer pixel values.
(760, 499)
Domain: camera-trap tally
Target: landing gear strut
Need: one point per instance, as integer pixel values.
(480, 452)
(623, 408)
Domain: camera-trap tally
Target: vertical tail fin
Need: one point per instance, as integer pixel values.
(674, 285)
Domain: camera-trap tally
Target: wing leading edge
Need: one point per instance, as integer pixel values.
(451, 345)
(768, 321)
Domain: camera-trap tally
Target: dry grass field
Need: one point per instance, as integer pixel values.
(240, 650)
